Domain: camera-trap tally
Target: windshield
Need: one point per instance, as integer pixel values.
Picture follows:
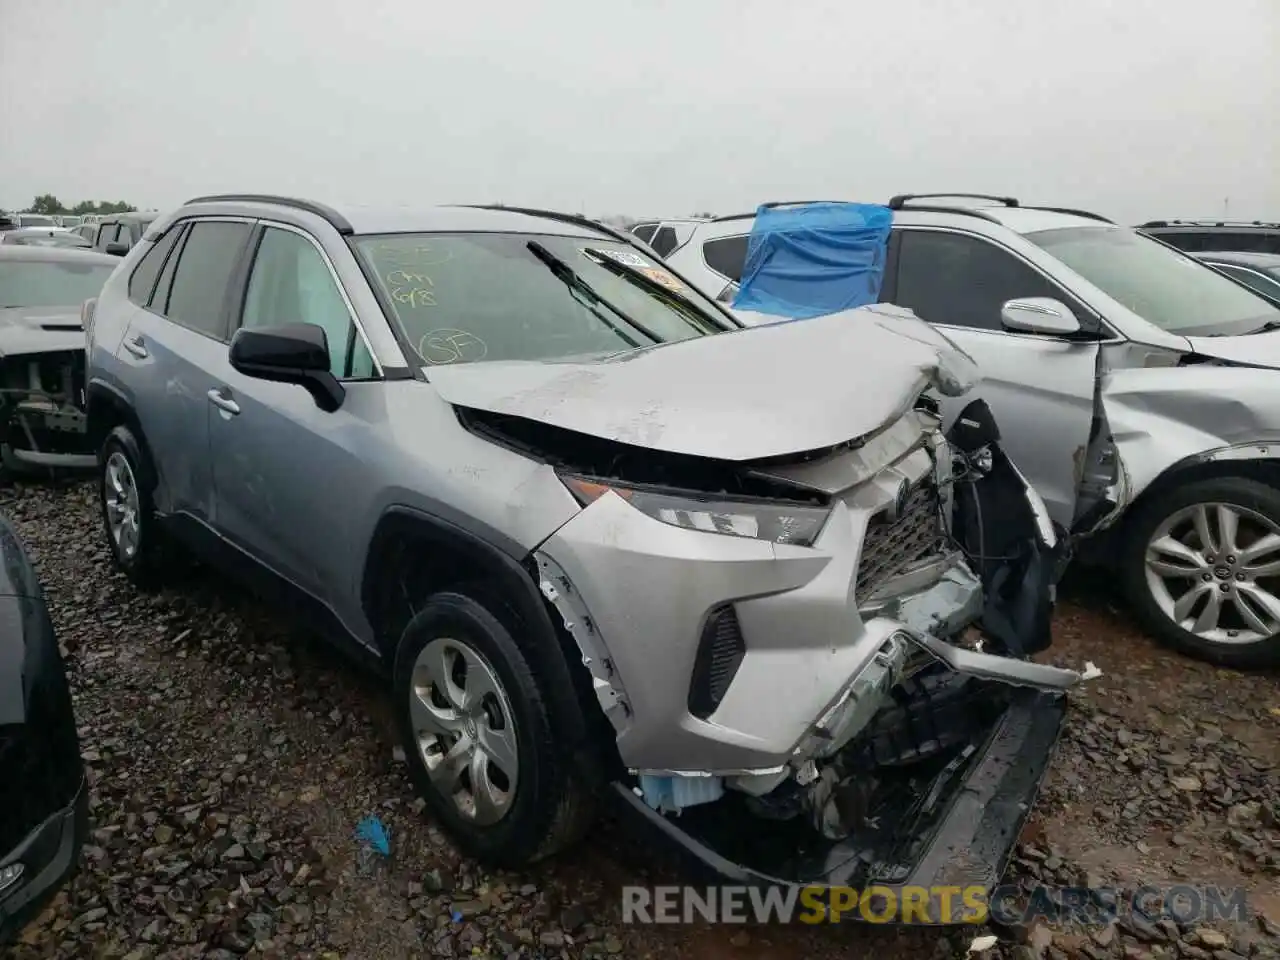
(36, 220)
(50, 240)
(1164, 287)
(50, 283)
(463, 298)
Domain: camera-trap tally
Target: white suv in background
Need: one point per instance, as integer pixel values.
(666, 236)
(1136, 387)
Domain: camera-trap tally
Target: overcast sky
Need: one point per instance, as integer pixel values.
(1134, 108)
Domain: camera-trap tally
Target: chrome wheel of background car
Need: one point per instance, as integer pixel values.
(465, 731)
(122, 504)
(1214, 570)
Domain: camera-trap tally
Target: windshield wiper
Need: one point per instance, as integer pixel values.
(569, 278)
(1267, 327)
(621, 269)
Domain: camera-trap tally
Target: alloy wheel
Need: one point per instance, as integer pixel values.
(1214, 570)
(120, 493)
(465, 730)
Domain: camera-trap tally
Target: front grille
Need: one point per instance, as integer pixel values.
(892, 546)
(720, 652)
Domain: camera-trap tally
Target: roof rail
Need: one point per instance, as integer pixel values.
(900, 201)
(958, 211)
(772, 204)
(334, 218)
(1071, 211)
(1207, 222)
(573, 218)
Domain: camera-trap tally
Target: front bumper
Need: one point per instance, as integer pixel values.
(48, 856)
(943, 863)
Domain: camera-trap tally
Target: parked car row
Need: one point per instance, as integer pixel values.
(857, 520)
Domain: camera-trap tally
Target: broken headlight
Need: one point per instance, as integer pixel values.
(778, 522)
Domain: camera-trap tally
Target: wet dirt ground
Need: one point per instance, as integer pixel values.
(231, 761)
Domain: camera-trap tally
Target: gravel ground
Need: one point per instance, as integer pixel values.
(231, 760)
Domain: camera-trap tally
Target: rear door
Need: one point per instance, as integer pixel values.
(1040, 388)
(171, 345)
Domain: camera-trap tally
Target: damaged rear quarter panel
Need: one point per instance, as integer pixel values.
(1160, 417)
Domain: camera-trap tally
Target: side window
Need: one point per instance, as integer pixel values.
(160, 298)
(1252, 279)
(198, 295)
(147, 272)
(291, 283)
(644, 231)
(106, 234)
(664, 241)
(726, 256)
(963, 281)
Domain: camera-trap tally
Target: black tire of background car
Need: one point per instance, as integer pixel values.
(146, 568)
(553, 805)
(1139, 527)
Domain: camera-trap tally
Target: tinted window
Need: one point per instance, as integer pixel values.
(145, 274)
(462, 298)
(106, 234)
(203, 275)
(1185, 240)
(160, 299)
(50, 283)
(644, 231)
(963, 281)
(291, 283)
(1172, 291)
(664, 241)
(1253, 279)
(36, 220)
(726, 256)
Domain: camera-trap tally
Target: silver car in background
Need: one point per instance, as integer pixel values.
(1137, 388)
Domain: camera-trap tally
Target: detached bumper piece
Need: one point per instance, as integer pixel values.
(937, 789)
(40, 864)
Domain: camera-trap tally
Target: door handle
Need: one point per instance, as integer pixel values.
(135, 346)
(223, 403)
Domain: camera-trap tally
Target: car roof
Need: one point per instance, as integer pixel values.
(131, 217)
(18, 251)
(1269, 261)
(359, 219)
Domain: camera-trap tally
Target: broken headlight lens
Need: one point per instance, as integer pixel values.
(777, 522)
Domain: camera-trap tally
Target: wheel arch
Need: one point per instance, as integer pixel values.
(412, 553)
(107, 408)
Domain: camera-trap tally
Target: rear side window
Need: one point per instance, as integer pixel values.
(726, 256)
(644, 231)
(198, 296)
(106, 234)
(664, 241)
(145, 274)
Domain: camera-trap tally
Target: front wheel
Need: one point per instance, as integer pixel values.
(1201, 567)
(128, 514)
(478, 736)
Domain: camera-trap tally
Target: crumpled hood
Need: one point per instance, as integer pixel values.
(1255, 349)
(40, 330)
(751, 394)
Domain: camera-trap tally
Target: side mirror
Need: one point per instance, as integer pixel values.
(289, 353)
(117, 249)
(1039, 315)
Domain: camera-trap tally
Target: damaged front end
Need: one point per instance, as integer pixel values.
(922, 767)
(42, 384)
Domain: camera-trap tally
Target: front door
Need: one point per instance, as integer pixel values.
(283, 469)
(1040, 388)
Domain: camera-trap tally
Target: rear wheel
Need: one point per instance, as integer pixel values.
(128, 514)
(1201, 566)
(478, 736)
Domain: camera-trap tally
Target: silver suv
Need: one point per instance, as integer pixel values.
(1135, 386)
(592, 532)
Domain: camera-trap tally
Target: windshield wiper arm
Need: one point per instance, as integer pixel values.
(632, 273)
(570, 278)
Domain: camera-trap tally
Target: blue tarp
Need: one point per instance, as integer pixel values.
(813, 259)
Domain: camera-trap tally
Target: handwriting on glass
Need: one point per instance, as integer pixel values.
(451, 346)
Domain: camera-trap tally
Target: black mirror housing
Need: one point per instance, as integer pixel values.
(289, 353)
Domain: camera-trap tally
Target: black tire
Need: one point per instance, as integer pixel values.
(146, 564)
(552, 800)
(1143, 523)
